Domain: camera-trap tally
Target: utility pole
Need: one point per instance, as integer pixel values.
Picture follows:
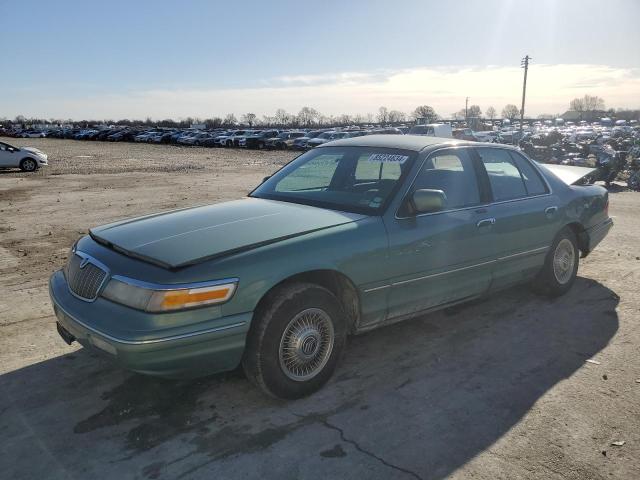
(466, 110)
(524, 64)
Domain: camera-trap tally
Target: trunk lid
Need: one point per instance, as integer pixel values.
(569, 174)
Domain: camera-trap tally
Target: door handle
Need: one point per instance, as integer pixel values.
(486, 222)
(550, 211)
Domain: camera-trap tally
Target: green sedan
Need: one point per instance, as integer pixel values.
(350, 236)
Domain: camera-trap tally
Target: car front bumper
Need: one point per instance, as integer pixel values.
(208, 347)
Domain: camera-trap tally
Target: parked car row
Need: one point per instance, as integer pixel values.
(300, 139)
(303, 139)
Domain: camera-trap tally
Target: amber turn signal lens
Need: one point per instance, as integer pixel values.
(183, 298)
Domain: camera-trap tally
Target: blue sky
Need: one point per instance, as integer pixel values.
(204, 58)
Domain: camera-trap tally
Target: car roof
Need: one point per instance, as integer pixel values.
(405, 142)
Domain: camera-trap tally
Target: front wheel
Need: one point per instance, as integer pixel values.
(296, 341)
(561, 265)
(28, 165)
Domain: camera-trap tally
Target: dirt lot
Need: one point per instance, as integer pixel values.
(498, 389)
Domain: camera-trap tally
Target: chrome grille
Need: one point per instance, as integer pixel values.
(83, 277)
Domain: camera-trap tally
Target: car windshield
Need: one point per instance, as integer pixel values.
(351, 179)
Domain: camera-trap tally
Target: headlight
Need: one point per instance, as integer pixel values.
(155, 298)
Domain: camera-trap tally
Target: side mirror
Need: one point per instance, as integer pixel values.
(427, 200)
(265, 179)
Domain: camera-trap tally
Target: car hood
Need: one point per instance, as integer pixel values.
(32, 150)
(569, 174)
(185, 237)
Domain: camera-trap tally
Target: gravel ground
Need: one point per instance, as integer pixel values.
(493, 390)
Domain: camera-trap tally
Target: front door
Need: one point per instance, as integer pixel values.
(445, 256)
(7, 156)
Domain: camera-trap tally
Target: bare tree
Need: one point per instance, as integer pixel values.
(383, 115)
(212, 122)
(490, 113)
(510, 111)
(249, 118)
(396, 116)
(282, 117)
(307, 115)
(426, 112)
(230, 120)
(343, 119)
(588, 103)
(474, 111)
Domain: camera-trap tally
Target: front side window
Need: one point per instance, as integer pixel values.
(504, 177)
(353, 179)
(452, 172)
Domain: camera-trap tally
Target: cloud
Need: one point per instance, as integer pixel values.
(549, 90)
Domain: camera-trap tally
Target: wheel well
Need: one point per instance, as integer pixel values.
(581, 235)
(337, 283)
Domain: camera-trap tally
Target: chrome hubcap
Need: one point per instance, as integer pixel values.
(306, 344)
(564, 259)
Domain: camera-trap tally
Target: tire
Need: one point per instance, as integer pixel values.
(28, 165)
(561, 265)
(309, 320)
(229, 144)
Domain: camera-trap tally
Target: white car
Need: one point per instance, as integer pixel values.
(33, 134)
(26, 159)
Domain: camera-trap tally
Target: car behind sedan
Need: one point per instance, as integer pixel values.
(350, 236)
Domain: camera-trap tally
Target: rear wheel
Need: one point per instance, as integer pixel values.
(296, 341)
(28, 165)
(561, 265)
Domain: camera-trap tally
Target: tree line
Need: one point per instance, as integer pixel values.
(310, 117)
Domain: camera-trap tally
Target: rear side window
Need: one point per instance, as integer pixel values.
(504, 177)
(452, 172)
(532, 181)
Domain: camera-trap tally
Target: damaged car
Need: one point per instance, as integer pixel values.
(350, 236)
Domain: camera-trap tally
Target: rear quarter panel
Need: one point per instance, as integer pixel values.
(589, 205)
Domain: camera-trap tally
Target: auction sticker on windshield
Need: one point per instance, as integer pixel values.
(387, 158)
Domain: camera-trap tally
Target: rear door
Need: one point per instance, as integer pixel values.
(441, 257)
(525, 212)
